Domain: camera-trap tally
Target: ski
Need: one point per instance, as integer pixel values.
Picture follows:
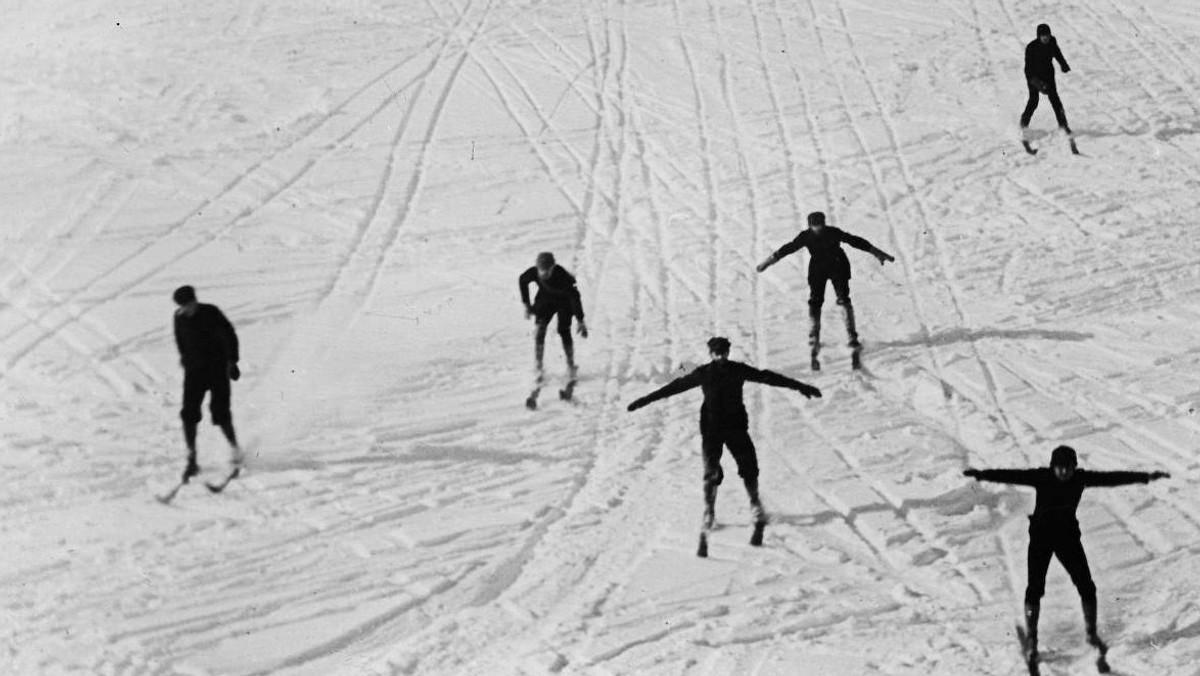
(217, 488)
(567, 392)
(1074, 148)
(856, 359)
(1030, 659)
(167, 497)
(702, 548)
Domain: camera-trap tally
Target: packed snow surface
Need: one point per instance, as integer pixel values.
(358, 186)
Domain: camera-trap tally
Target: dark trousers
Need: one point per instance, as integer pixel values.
(713, 442)
(1036, 89)
(816, 290)
(198, 381)
(1045, 543)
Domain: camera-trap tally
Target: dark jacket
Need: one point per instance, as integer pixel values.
(1057, 500)
(558, 290)
(721, 381)
(206, 339)
(826, 257)
(1039, 60)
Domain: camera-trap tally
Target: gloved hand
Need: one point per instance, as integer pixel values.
(809, 391)
(528, 311)
(635, 405)
(1066, 69)
(884, 257)
(234, 371)
(582, 329)
(973, 473)
(765, 264)
(1159, 475)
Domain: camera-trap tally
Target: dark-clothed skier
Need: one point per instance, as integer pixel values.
(827, 262)
(723, 421)
(208, 351)
(1054, 530)
(1039, 76)
(556, 295)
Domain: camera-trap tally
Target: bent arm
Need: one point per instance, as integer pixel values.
(1116, 478)
(523, 283)
(671, 389)
(1062, 61)
(1020, 477)
(228, 337)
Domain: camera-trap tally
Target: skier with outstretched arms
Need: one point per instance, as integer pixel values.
(827, 262)
(208, 353)
(1054, 532)
(1040, 55)
(724, 423)
(558, 295)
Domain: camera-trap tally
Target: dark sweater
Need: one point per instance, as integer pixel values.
(721, 382)
(1039, 60)
(558, 290)
(826, 257)
(206, 339)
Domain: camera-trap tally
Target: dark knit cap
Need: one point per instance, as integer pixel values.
(545, 259)
(1063, 456)
(718, 345)
(1043, 29)
(184, 295)
(816, 218)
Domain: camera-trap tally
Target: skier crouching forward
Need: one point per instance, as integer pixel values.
(723, 422)
(1054, 530)
(827, 263)
(208, 352)
(557, 294)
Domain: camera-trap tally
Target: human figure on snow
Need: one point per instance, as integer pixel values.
(723, 420)
(1054, 530)
(557, 294)
(1039, 76)
(208, 352)
(827, 262)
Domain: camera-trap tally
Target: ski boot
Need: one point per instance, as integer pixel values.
(1032, 611)
(814, 336)
(191, 470)
(1093, 638)
(757, 512)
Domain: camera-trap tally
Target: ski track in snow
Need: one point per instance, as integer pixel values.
(359, 186)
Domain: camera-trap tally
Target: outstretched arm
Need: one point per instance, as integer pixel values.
(785, 250)
(1120, 478)
(671, 389)
(1020, 477)
(863, 245)
(779, 380)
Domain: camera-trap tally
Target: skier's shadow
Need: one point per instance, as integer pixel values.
(963, 334)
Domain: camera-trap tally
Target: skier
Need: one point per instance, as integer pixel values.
(827, 262)
(1040, 55)
(723, 422)
(557, 294)
(1054, 531)
(208, 351)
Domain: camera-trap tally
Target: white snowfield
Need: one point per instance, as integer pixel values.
(359, 184)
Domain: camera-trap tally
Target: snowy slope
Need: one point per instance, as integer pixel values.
(358, 187)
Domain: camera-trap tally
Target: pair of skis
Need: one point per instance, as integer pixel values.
(756, 536)
(1031, 658)
(218, 487)
(855, 359)
(1029, 147)
(565, 393)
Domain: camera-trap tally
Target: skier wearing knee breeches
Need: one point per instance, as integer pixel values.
(556, 295)
(1054, 529)
(208, 352)
(1040, 55)
(723, 419)
(827, 263)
